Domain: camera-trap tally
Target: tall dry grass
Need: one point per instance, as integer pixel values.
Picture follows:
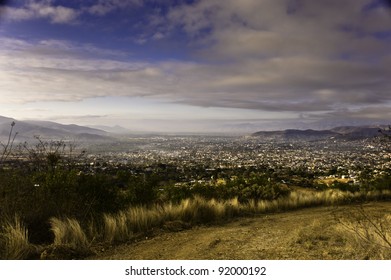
(14, 242)
(68, 232)
(123, 225)
(116, 228)
(141, 219)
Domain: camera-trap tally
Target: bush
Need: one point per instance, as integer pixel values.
(257, 187)
(58, 193)
(346, 187)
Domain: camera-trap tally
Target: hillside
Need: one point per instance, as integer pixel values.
(27, 130)
(312, 233)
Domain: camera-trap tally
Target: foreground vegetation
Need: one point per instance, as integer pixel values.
(74, 239)
(54, 205)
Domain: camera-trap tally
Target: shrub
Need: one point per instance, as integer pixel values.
(346, 187)
(257, 187)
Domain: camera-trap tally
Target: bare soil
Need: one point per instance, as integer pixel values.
(312, 233)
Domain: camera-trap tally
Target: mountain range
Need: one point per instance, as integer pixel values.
(342, 132)
(28, 130)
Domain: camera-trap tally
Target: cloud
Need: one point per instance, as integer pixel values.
(59, 14)
(289, 55)
(302, 56)
(103, 7)
(42, 10)
(77, 118)
(58, 70)
(371, 113)
(244, 29)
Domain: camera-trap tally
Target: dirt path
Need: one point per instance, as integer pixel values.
(303, 234)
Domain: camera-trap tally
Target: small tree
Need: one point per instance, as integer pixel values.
(48, 155)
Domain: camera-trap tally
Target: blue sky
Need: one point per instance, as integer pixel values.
(196, 66)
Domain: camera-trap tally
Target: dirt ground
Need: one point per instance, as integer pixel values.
(312, 233)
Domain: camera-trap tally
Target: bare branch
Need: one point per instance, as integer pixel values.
(7, 148)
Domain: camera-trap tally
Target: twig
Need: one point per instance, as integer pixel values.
(7, 148)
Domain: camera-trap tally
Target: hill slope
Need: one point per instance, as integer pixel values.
(27, 130)
(312, 233)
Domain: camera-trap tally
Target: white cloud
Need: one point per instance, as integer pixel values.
(103, 7)
(42, 9)
(58, 14)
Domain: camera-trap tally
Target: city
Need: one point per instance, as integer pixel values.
(214, 155)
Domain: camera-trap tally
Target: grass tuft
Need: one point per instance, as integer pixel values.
(116, 228)
(68, 232)
(14, 241)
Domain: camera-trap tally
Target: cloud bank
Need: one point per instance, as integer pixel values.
(317, 58)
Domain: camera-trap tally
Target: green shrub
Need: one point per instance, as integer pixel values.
(346, 187)
(257, 187)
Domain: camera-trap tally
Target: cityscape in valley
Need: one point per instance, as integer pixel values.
(343, 155)
(324, 158)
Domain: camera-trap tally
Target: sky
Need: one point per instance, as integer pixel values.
(197, 65)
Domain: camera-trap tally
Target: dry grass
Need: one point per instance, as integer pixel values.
(123, 226)
(141, 219)
(116, 228)
(369, 232)
(322, 240)
(68, 232)
(14, 240)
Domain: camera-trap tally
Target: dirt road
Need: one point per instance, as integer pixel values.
(312, 233)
